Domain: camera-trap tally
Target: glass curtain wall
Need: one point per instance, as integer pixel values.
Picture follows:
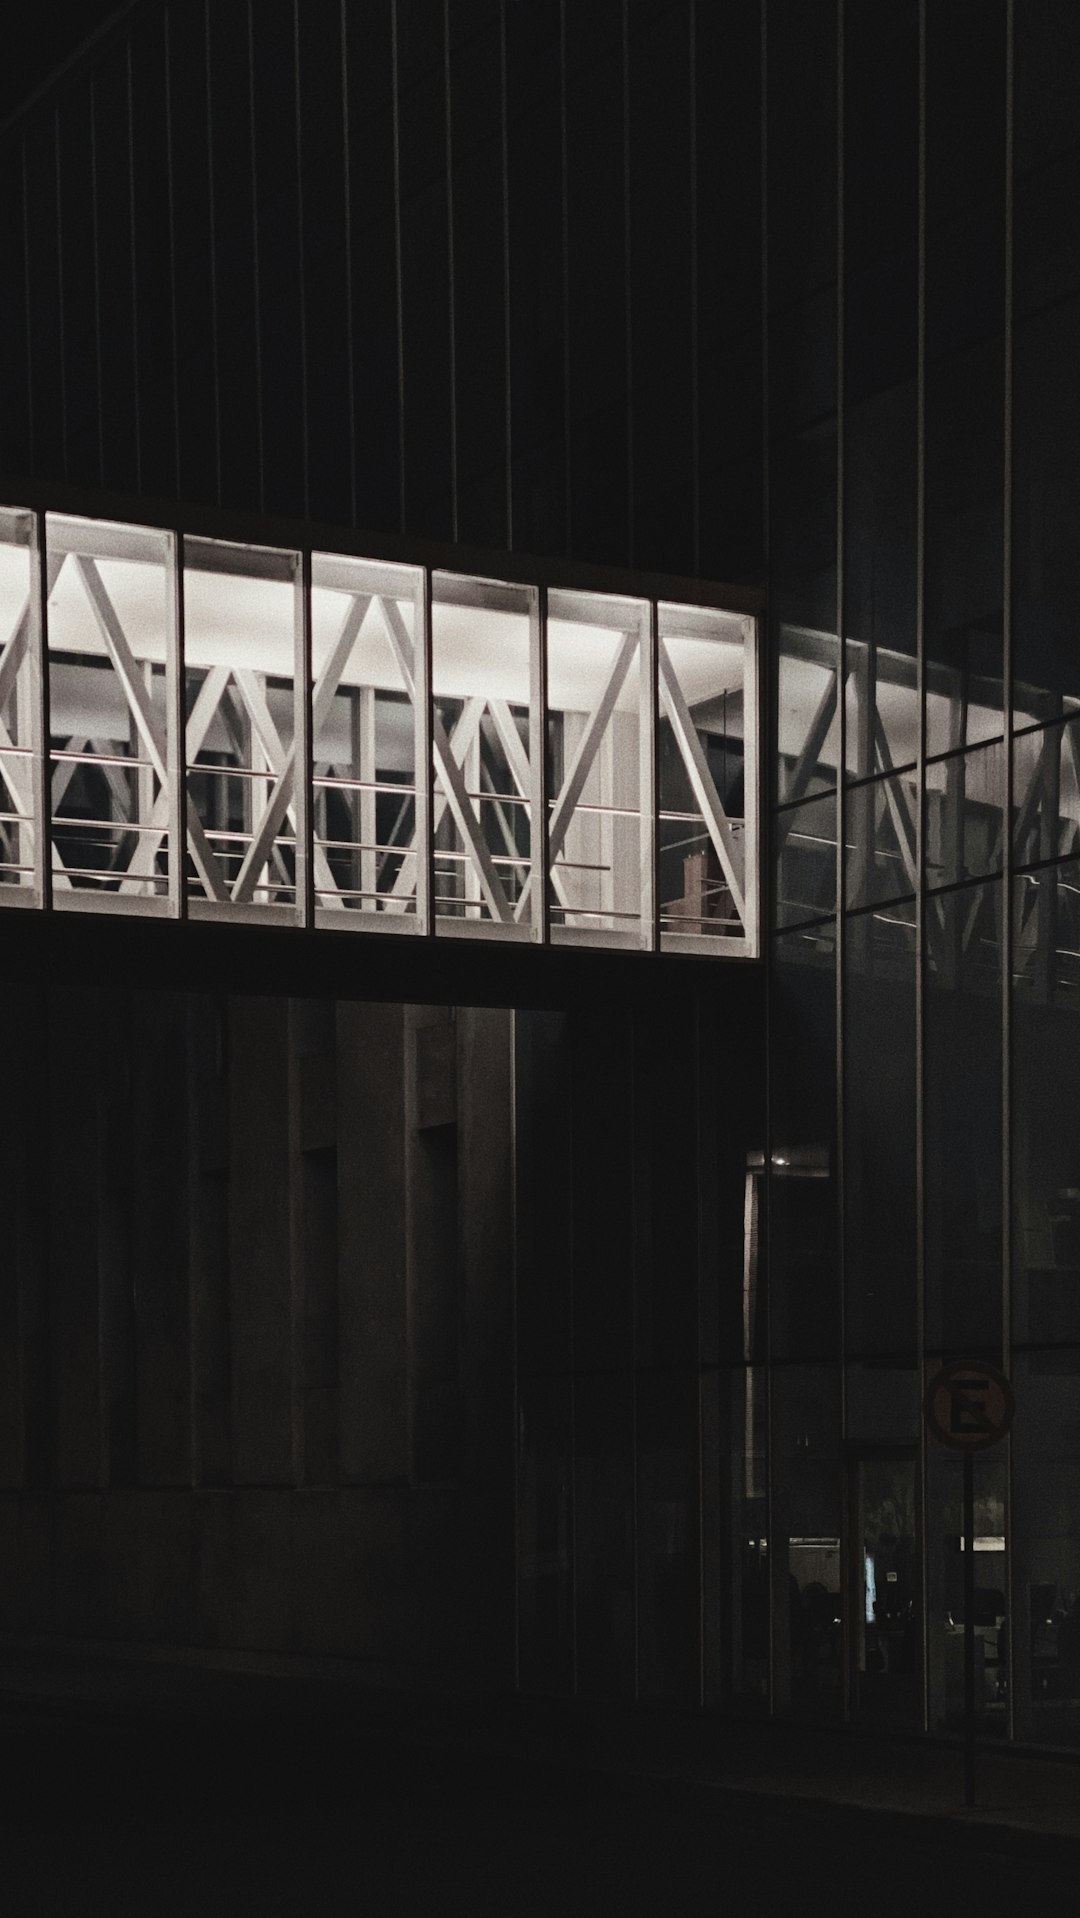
(255, 733)
(922, 1176)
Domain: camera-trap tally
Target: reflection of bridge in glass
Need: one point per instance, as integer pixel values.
(353, 743)
(944, 734)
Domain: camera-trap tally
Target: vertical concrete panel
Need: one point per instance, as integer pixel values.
(242, 1570)
(74, 1091)
(259, 1242)
(25, 1436)
(543, 1190)
(208, 1240)
(431, 1136)
(315, 1235)
(374, 1420)
(485, 1183)
(160, 1239)
(111, 1045)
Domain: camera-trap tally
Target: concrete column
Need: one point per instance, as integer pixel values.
(371, 1215)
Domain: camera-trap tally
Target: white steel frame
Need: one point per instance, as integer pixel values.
(229, 874)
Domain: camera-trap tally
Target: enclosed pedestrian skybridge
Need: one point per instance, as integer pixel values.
(194, 728)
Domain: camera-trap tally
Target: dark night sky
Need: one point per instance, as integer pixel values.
(47, 34)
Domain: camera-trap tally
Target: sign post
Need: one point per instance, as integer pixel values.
(969, 1407)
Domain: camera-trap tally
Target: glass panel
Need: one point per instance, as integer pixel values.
(964, 546)
(1046, 1544)
(802, 533)
(807, 1499)
(668, 1559)
(599, 767)
(1046, 585)
(802, 152)
(1046, 941)
(1045, 1117)
(16, 703)
(886, 1617)
(881, 820)
(962, 1107)
(802, 1222)
(108, 647)
(880, 1136)
(747, 1425)
(805, 839)
(808, 719)
(883, 1401)
(965, 797)
(364, 623)
(882, 708)
(880, 585)
(945, 1588)
(484, 671)
(1046, 794)
(240, 704)
(706, 715)
(881, 120)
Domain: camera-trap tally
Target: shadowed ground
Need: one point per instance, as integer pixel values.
(298, 1815)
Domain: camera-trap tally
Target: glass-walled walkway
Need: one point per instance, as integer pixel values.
(194, 727)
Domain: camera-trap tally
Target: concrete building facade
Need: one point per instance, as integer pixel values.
(500, 1307)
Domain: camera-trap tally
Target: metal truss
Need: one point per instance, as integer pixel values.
(169, 755)
(964, 792)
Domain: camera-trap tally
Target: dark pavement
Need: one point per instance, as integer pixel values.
(265, 1812)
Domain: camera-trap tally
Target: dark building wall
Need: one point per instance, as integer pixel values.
(637, 1138)
(258, 1295)
(484, 272)
(922, 457)
(487, 273)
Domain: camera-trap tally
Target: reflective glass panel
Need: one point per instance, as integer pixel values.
(886, 1615)
(706, 718)
(946, 1550)
(806, 1525)
(881, 828)
(367, 739)
(805, 853)
(599, 764)
(962, 1116)
(240, 699)
(880, 576)
(747, 1400)
(1046, 794)
(808, 719)
(1046, 1542)
(879, 1133)
(1046, 583)
(965, 796)
(804, 1301)
(108, 718)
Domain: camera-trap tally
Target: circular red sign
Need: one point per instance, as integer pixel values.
(969, 1405)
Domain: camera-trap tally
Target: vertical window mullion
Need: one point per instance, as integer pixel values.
(39, 682)
(538, 728)
(422, 717)
(176, 722)
(302, 761)
(650, 890)
(752, 794)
